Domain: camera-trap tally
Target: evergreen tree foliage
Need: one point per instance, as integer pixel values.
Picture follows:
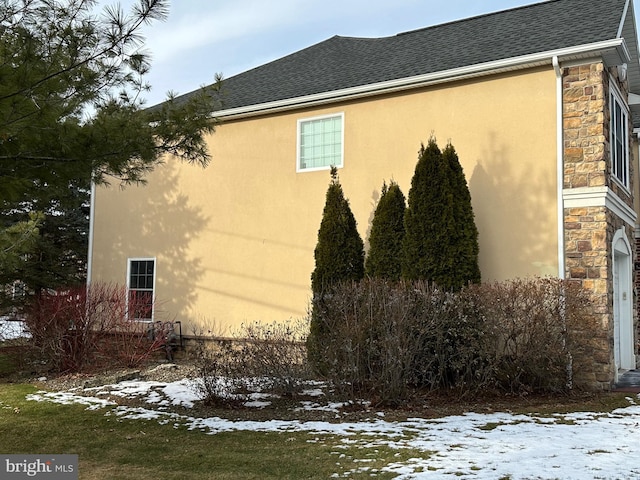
(384, 259)
(72, 111)
(339, 256)
(441, 239)
(428, 219)
(464, 241)
(339, 253)
(57, 252)
(18, 240)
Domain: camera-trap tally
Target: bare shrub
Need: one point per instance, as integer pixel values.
(388, 338)
(87, 327)
(131, 344)
(276, 353)
(258, 356)
(583, 334)
(393, 346)
(61, 328)
(452, 332)
(218, 371)
(537, 333)
(371, 339)
(383, 339)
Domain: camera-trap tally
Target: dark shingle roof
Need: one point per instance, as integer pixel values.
(343, 62)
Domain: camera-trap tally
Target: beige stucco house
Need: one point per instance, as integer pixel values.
(541, 102)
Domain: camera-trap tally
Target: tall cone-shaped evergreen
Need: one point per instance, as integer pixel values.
(441, 239)
(339, 256)
(429, 220)
(339, 253)
(464, 241)
(387, 232)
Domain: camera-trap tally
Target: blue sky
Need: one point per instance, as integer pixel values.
(202, 38)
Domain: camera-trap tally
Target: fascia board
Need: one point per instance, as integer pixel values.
(623, 20)
(616, 46)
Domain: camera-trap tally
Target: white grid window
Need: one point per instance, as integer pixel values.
(141, 281)
(320, 142)
(619, 141)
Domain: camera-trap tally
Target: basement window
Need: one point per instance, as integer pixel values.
(320, 143)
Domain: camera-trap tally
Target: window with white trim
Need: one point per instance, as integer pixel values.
(618, 137)
(140, 285)
(320, 143)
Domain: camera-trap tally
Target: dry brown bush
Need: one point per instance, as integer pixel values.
(258, 356)
(382, 340)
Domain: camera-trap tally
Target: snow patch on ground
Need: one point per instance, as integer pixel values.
(11, 329)
(577, 446)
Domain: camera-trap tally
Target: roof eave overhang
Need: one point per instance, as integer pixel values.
(612, 52)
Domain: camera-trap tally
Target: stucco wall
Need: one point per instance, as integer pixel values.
(235, 242)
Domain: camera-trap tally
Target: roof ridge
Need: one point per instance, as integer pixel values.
(351, 37)
(475, 17)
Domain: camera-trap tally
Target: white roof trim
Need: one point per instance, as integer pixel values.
(623, 19)
(498, 66)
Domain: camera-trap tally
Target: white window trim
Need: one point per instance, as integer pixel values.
(615, 92)
(599, 197)
(153, 297)
(298, 132)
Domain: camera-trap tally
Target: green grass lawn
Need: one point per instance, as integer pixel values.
(110, 448)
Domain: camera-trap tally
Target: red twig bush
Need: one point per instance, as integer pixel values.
(88, 327)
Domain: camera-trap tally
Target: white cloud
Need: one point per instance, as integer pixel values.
(191, 28)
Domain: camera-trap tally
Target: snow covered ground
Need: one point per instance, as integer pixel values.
(472, 446)
(11, 329)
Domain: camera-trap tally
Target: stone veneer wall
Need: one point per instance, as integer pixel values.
(589, 231)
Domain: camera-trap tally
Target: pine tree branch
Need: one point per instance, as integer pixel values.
(144, 15)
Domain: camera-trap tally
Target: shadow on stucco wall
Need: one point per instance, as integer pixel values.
(514, 207)
(375, 199)
(157, 220)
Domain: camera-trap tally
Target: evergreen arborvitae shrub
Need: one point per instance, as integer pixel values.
(339, 253)
(387, 231)
(339, 256)
(464, 241)
(441, 238)
(429, 220)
